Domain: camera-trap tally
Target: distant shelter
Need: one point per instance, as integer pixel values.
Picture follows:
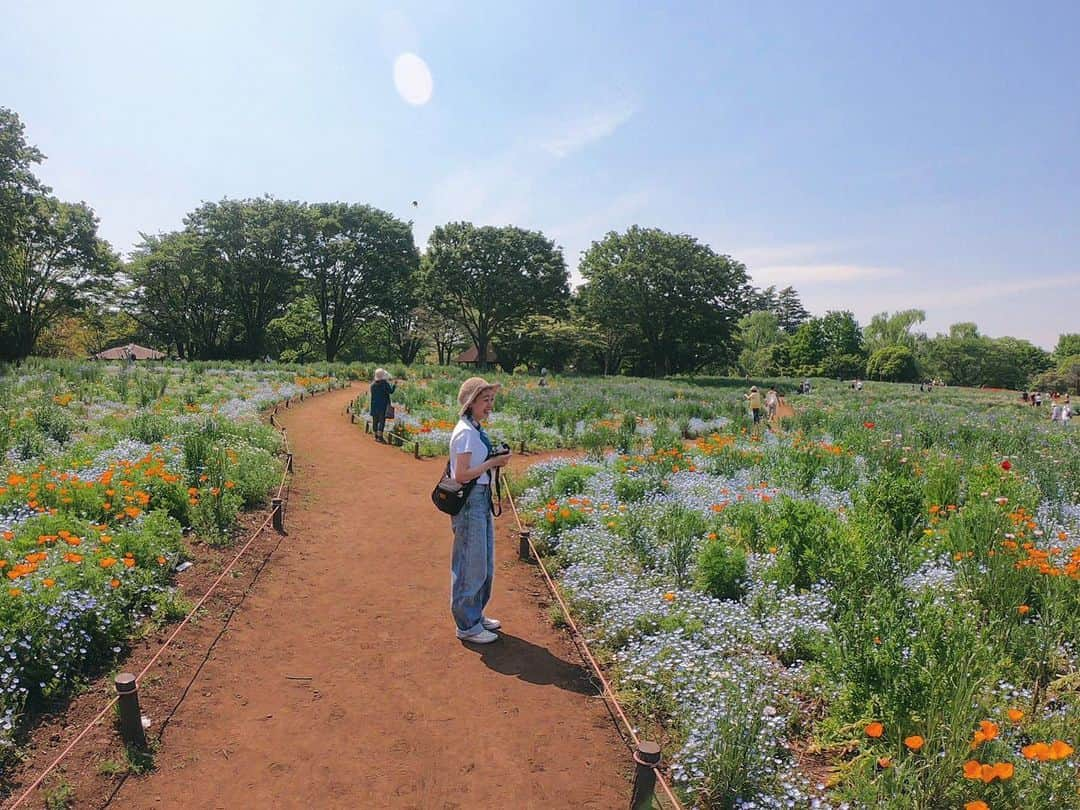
(129, 351)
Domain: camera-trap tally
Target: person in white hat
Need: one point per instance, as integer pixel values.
(472, 563)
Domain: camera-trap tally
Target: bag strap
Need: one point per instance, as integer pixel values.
(495, 493)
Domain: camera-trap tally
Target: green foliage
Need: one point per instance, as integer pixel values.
(892, 363)
(721, 568)
(572, 479)
(671, 296)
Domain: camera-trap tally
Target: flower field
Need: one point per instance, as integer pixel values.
(569, 412)
(103, 470)
(876, 607)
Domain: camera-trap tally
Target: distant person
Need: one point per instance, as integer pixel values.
(472, 562)
(858, 384)
(381, 389)
(772, 401)
(1023, 396)
(1055, 413)
(543, 377)
(1066, 411)
(753, 399)
(1038, 399)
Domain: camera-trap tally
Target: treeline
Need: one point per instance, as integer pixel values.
(294, 281)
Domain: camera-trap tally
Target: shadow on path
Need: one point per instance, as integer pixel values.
(515, 656)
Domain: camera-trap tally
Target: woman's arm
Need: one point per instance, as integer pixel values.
(464, 473)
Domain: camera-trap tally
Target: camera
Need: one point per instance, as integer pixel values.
(502, 450)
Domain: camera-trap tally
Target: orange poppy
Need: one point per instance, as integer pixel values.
(875, 730)
(914, 742)
(1015, 715)
(972, 769)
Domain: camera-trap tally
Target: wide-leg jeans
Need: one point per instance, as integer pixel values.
(472, 564)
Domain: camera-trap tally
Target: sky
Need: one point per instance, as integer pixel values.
(876, 156)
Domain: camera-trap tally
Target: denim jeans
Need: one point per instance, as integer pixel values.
(378, 422)
(472, 564)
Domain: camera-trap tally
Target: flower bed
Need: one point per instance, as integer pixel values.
(102, 470)
(878, 608)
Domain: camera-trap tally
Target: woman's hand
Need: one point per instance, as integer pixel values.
(498, 461)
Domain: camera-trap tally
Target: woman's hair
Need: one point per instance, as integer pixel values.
(380, 374)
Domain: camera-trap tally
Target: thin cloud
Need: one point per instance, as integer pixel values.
(576, 135)
(821, 273)
(988, 290)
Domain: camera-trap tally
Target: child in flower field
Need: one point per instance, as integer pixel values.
(1055, 413)
(753, 399)
(772, 399)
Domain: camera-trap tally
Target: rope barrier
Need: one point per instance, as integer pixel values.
(583, 645)
(86, 730)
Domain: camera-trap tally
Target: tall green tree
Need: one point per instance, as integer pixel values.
(759, 334)
(489, 280)
(178, 295)
(358, 262)
(790, 311)
(886, 330)
(681, 299)
(251, 248)
(53, 262)
(1068, 345)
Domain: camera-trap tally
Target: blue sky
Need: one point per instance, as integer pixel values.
(876, 156)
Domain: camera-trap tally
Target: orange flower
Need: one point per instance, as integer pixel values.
(1015, 715)
(1004, 770)
(978, 804)
(72, 557)
(884, 762)
(129, 562)
(875, 730)
(989, 730)
(1059, 749)
(669, 596)
(987, 773)
(14, 591)
(114, 583)
(161, 560)
(1039, 751)
(914, 742)
(132, 511)
(972, 769)
(1023, 610)
(48, 582)
(108, 562)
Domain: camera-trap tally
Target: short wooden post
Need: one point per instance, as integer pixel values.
(279, 514)
(352, 418)
(523, 546)
(286, 403)
(367, 427)
(273, 421)
(289, 467)
(301, 396)
(647, 758)
(131, 728)
(416, 451)
(522, 447)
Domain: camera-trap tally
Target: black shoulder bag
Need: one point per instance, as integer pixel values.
(449, 495)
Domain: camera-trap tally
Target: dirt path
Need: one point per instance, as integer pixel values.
(340, 682)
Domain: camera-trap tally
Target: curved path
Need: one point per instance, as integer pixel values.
(340, 682)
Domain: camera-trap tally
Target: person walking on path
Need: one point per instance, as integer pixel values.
(472, 562)
(772, 400)
(381, 389)
(753, 399)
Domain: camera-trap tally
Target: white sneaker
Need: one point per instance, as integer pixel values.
(483, 637)
(491, 624)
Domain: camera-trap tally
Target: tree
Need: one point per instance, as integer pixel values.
(895, 363)
(893, 330)
(789, 310)
(490, 279)
(54, 259)
(759, 334)
(1068, 345)
(681, 299)
(251, 248)
(298, 333)
(178, 295)
(358, 262)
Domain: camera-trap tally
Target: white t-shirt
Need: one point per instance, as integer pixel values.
(466, 439)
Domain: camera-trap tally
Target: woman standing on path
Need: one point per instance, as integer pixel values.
(772, 400)
(381, 389)
(472, 564)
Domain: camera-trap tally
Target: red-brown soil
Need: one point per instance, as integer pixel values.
(338, 682)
